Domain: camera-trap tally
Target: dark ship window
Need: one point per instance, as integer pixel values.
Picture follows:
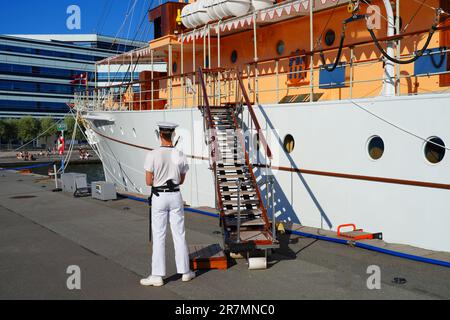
(174, 67)
(434, 150)
(376, 147)
(280, 47)
(289, 143)
(330, 36)
(234, 56)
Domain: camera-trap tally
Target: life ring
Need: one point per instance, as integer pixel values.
(297, 64)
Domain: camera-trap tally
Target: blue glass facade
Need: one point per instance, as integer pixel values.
(36, 75)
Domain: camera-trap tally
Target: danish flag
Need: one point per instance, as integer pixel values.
(79, 79)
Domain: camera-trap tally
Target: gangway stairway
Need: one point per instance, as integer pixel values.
(245, 225)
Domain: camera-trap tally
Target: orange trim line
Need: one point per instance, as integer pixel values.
(319, 173)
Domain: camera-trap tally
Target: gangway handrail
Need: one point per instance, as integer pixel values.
(213, 135)
(205, 97)
(260, 135)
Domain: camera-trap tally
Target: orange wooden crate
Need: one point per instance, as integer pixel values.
(207, 257)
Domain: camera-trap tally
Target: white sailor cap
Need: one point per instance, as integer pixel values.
(167, 126)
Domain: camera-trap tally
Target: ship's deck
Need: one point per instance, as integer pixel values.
(42, 233)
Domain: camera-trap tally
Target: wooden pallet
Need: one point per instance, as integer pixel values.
(209, 256)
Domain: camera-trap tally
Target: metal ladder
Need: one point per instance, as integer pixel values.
(246, 228)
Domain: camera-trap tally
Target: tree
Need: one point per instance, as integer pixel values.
(28, 128)
(70, 123)
(2, 129)
(48, 127)
(10, 130)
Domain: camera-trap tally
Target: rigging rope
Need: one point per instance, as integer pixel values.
(397, 126)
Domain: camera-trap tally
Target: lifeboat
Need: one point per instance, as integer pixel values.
(261, 4)
(235, 8)
(203, 11)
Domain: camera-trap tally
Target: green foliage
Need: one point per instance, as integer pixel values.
(2, 128)
(8, 130)
(50, 125)
(70, 122)
(28, 128)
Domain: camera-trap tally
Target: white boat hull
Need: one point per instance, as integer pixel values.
(329, 178)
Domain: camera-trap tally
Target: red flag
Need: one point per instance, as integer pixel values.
(79, 79)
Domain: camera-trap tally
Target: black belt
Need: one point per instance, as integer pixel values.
(164, 189)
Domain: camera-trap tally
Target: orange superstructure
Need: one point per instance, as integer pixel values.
(279, 54)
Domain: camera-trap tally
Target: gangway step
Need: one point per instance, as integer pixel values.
(245, 222)
(233, 183)
(242, 192)
(243, 202)
(231, 167)
(254, 235)
(244, 212)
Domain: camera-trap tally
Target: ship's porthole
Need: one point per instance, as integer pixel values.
(280, 47)
(434, 150)
(289, 143)
(234, 56)
(375, 147)
(330, 37)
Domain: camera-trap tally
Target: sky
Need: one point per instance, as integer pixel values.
(106, 17)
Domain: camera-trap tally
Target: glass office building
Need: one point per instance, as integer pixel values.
(37, 71)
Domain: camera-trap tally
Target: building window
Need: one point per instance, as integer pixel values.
(434, 150)
(289, 143)
(280, 47)
(330, 37)
(375, 147)
(234, 56)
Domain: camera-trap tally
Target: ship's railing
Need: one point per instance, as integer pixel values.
(267, 82)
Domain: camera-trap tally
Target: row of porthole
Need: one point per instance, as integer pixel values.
(434, 148)
(329, 39)
(121, 130)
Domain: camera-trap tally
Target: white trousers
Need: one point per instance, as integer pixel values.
(168, 205)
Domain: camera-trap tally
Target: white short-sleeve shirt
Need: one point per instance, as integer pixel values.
(166, 164)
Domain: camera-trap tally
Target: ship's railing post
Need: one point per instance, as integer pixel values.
(277, 80)
(238, 227)
(351, 71)
(151, 78)
(398, 46)
(311, 43)
(272, 206)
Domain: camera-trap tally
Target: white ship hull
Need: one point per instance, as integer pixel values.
(329, 178)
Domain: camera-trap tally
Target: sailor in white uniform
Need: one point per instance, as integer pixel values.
(166, 169)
